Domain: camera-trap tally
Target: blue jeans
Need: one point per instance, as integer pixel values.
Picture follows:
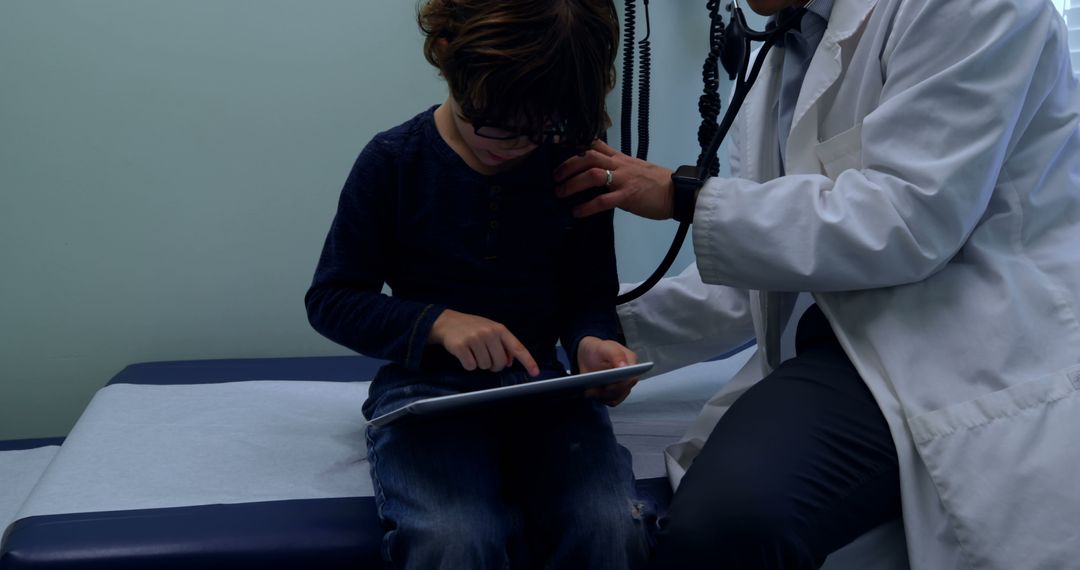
(541, 486)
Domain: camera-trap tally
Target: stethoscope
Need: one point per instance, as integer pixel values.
(734, 55)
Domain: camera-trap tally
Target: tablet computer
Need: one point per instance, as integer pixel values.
(566, 386)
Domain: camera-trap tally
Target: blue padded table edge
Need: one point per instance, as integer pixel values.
(304, 533)
(321, 368)
(276, 535)
(23, 444)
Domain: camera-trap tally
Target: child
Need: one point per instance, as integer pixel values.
(455, 210)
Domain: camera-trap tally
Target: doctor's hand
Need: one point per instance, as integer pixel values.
(480, 343)
(595, 354)
(634, 185)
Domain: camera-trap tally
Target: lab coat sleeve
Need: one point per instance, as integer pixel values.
(682, 320)
(956, 75)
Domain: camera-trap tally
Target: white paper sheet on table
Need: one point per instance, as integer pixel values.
(142, 446)
(20, 470)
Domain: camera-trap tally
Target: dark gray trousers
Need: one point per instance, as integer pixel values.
(802, 464)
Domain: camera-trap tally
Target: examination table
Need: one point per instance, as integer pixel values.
(260, 463)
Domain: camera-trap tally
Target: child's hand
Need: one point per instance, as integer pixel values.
(480, 343)
(595, 354)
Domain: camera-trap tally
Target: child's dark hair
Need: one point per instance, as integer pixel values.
(526, 63)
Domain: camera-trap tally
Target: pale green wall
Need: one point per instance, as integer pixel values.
(168, 171)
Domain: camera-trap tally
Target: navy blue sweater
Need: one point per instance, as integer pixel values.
(413, 215)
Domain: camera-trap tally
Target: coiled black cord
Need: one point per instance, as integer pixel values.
(626, 126)
(709, 106)
(709, 102)
(644, 87)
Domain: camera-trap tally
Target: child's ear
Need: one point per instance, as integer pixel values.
(441, 45)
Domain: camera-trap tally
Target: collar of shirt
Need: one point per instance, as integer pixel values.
(816, 19)
(813, 23)
(799, 46)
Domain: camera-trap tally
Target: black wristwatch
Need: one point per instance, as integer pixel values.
(688, 180)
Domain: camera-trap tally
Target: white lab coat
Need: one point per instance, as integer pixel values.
(932, 207)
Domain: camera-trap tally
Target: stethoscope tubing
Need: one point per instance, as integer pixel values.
(744, 80)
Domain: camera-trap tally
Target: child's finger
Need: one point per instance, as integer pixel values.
(496, 352)
(617, 355)
(612, 394)
(480, 351)
(518, 350)
(464, 356)
(619, 395)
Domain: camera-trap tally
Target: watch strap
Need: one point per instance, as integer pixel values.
(687, 181)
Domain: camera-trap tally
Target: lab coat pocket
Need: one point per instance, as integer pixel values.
(1005, 467)
(841, 152)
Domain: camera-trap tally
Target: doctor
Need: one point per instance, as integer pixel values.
(914, 166)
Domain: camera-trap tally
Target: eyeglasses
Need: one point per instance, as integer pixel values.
(504, 134)
(501, 133)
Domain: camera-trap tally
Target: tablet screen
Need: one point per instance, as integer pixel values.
(565, 386)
